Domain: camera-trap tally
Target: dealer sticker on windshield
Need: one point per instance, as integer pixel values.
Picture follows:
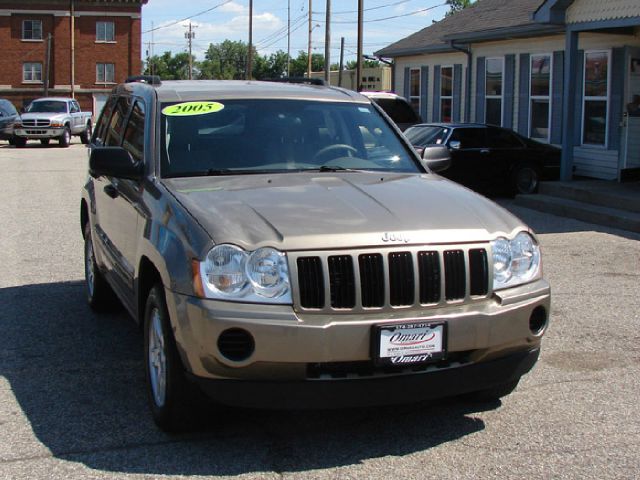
(410, 343)
(185, 109)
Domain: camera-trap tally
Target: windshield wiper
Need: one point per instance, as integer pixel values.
(203, 173)
(327, 168)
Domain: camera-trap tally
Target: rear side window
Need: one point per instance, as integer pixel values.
(115, 128)
(399, 110)
(470, 137)
(499, 138)
(103, 121)
(134, 133)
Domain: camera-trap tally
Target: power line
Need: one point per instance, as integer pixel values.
(188, 18)
(388, 18)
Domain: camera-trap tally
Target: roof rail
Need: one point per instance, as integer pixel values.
(150, 79)
(310, 81)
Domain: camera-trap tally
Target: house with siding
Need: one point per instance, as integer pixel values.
(566, 72)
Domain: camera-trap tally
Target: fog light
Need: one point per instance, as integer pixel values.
(538, 320)
(236, 344)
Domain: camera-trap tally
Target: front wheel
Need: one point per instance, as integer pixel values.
(172, 397)
(85, 136)
(65, 138)
(100, 296)
(20, 142)
(525, 179)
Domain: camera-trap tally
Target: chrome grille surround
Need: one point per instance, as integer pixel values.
(416, 254)
(36, 122)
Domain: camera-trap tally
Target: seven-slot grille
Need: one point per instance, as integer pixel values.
(35, 123)
(349, 281)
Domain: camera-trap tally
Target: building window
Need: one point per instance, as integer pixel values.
(539, 94)
(31, 30)
(493, 88)
(595, 98)
(105, 32)
(414, 89)
(105, 73)
(32, 72)
(446, 93)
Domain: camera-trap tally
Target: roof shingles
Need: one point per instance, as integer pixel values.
(481, 16)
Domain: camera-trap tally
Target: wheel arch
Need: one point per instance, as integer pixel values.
(84, 216)
(148, 276)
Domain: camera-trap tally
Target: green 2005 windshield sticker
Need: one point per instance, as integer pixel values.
(192, 108)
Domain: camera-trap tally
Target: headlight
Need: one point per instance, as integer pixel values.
(515, 261)
(56, 124)
(230, 273)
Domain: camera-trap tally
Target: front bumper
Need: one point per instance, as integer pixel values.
(288, 346)
(39, 132)
(389, 390)
(6, 133)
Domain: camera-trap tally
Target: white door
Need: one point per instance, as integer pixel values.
(99, 99)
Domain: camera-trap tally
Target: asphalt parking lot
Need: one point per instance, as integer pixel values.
(72, 403)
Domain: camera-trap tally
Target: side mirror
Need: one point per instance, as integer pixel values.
(455, 144)
(114, 162)
(436, 158)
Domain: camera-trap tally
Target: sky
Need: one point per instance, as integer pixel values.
(214, 21)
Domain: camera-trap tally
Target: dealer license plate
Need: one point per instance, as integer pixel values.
(409, 343)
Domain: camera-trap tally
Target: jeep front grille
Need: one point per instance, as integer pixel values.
(394, 278)
(35, 123)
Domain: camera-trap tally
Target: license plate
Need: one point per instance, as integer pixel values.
(409, 343)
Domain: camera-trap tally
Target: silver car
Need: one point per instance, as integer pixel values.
(282, 245)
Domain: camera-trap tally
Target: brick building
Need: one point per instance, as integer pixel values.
(78, 48)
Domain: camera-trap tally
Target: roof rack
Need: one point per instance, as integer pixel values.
(150, 79)
(310, 81)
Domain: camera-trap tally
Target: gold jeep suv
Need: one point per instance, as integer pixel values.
(283, 246)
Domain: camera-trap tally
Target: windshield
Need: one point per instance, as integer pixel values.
(423, 136)
(398, 109)
(265, 136)
(47, 106)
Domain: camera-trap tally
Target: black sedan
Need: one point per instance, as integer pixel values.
(489, 159)
(8, 116)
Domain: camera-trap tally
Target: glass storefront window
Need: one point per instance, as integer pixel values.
(596, 98)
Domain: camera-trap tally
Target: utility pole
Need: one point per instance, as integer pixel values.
(73, 49)
(359, 68)
(309, 46)
(190, 35)
(47, 67)
(327, 45)
(250, 53)
(288, 38)
(341, 61)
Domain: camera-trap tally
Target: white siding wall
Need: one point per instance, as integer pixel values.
(594, 10)
(431, 61)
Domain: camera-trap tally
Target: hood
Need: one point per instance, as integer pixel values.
(43, 115)
(310, 211)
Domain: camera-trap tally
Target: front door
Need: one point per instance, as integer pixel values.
(631, 130)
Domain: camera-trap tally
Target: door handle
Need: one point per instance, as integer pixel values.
(484, 150)
(111, 191)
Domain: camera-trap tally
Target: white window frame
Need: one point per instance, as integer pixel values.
(105, 40)
(548, 97)
(103, 66)
(493, 97)
(32, 70)
(446, 97)
(24, 39)
(585, 99)
(419, 96)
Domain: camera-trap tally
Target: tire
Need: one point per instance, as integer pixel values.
(100, 296)
(85, 136)
(65, 138)
(12, 140)
(44, 141)
(493, 394)
(525, 179)
(173, 400)
(20, 142)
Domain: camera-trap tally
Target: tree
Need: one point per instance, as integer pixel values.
(273, 66)
(299, 64)
(169, 67)
(456, 6)
(226, 61)
(353, 64)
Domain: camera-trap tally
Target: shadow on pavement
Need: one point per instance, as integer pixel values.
(77, 377)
